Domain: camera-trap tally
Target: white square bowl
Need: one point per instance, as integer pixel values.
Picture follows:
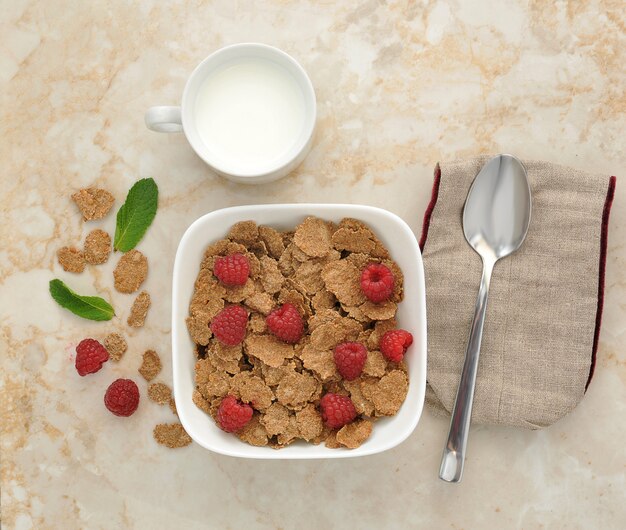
(395, 235)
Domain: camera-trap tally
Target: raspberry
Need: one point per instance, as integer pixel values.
(350, 358)
(337, 410)
(90, 355)
(377, 282)
(233, 269)
(232, 415)
(122, 397)
(286, 323)
(229, 325)
(394, 344)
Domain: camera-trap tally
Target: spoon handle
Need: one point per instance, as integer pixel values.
(454, 452)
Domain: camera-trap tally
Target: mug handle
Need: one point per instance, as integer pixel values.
(164, 119)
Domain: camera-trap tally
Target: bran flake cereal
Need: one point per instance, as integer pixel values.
(139, 310)
(316, 268)
(150, 365)
(71, 259)
(171, 435)
(97, 247)
(93, 203)
(130, 272)
(116, 345)
(159, 393)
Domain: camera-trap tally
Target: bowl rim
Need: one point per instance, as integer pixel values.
(179, 327)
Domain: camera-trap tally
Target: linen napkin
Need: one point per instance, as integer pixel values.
(545, 303)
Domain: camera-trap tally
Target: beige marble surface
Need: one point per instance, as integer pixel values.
(400, 85)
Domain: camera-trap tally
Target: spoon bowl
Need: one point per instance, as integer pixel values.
(496, 218)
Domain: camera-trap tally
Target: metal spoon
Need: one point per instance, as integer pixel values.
(495, 222)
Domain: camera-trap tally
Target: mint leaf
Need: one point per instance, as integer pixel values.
(136, 214)
(90, 307)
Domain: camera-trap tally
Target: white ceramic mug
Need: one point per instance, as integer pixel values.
(237, 65)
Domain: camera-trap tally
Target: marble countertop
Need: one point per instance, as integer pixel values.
(400, 85)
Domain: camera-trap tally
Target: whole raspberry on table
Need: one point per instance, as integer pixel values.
(377, 282)
(233, 269)
(229, 325)
(394, 344)
(350, 359)
(122, 397)
(90, 355)
(233, 415)
(286, 323)
(337, 410)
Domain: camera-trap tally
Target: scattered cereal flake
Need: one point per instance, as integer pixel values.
(273, 241)
(71, 259)
(309, 422)
(150, 366)
(320, 362)
(226, 352)
(116, 346)
(269, 349)
(388, 393)
(295, 390)
(130, 272)
(198, 326)
(361, 403)
(239, 293)
(375, 365)
(276, 419)
(343, 279)
(355, 433)
(207, 296)
(271, 277)
(356, 313)
(322, 436)
(258, 249)
(231, 366)
(286, 262)
(383, 311)
(254, 432)
(171, 435)
(323, 299)
(252, 389)
(313, 237)
(93, 203)
(273, 375)
(331, 441)
(139, 310)
(172, 405)
(159, 393)
(324, 316)
(327, 336)
(97, 247)
(244, 232)
(261, 302)
(257, 324)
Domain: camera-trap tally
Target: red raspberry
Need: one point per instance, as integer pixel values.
(350, 358)
(337, 410)
(394, 344)
(90, 355)
(286, 323)
(122, 397)
(229, 325)
(377, 282)
(233, 415)
(232, 270)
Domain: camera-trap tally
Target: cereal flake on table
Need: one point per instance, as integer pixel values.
(316, 268)
(150, 365)
(116, 345)
(97, 247)
(139, 310)
(171, 435)
(93, 203)
(130, 272)
(71, 259)
(159, 393)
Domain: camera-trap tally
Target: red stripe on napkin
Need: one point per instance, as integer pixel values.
(603, 244)
(431, 206)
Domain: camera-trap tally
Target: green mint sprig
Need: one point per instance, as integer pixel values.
(89, 307)
(136, 214)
